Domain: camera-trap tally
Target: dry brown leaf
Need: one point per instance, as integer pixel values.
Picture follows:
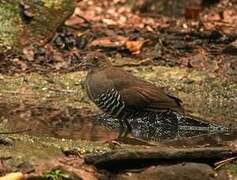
(136, 21)
(108, 21)
(74, 21)
(22, 64)
(135, 46)
(114, 42)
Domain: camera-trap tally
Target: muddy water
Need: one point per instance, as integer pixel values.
(56, 105)
(48, 118)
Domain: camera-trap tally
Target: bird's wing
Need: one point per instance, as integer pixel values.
(149, 98)
(141, 95)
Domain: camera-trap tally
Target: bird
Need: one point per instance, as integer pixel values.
(122, 95)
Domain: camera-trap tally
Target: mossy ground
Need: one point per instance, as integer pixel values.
(203, 94)
(199, 91)
(56, 4)
(32, 149)
(21, 22)
(232, 168)
(9, 23)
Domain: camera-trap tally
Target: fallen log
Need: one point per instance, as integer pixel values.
(137, 158)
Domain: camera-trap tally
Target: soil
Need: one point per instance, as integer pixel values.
(49, 125)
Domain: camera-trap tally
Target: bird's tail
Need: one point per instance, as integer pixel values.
(188, 122)
(174, 124)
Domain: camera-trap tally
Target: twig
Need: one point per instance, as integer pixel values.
(16, 132)
(62, 90)
(144, 62)
(15, 93)
(86, 20)
(224, 162)
(122, 158)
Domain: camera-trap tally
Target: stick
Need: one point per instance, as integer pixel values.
(16, 132)
(122, 159)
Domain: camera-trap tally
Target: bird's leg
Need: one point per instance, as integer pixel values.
(128, 128)
(121, 128)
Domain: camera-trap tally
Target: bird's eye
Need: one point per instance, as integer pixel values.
(96, 59)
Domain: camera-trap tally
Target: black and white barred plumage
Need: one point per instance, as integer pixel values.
(110, 101)
(123, 95)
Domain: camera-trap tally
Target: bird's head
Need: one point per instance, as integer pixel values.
(95, 60)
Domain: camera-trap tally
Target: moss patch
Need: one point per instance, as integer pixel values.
(32, 148)
(232, 168)
(9, 23)
(55, 4)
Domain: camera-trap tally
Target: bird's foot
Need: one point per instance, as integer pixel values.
(121, 129)
(124, 132)
(127, 131)
(114, 143)
(128, 128)
(121, 132)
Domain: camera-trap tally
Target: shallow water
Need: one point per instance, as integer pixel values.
(56, 105)
(51, 119)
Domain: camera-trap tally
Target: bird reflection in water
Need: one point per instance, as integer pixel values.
(166, 125)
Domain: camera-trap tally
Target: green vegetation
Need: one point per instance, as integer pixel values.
(56, 4)
(9, 23)
(56, 174)
(233, 168)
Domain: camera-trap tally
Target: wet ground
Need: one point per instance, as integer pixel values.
(60, 108)
(189, 52)
(68, 123)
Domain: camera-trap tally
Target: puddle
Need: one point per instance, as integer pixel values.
(177, 130)
(51, 119)
(56, 106)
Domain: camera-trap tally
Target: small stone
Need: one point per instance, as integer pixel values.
(13, 176)
(6, 141)
(194, 171)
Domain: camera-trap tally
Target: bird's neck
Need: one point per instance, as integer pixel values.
(98, 69)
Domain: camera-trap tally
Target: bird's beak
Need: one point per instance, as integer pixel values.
(84, 64)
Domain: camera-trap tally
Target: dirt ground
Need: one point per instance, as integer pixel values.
(190, 48)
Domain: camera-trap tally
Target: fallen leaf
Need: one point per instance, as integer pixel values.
(135, 46)
(22, 64)
(114, 42)
(75, 20)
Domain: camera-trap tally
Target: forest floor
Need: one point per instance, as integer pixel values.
(189, 49)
